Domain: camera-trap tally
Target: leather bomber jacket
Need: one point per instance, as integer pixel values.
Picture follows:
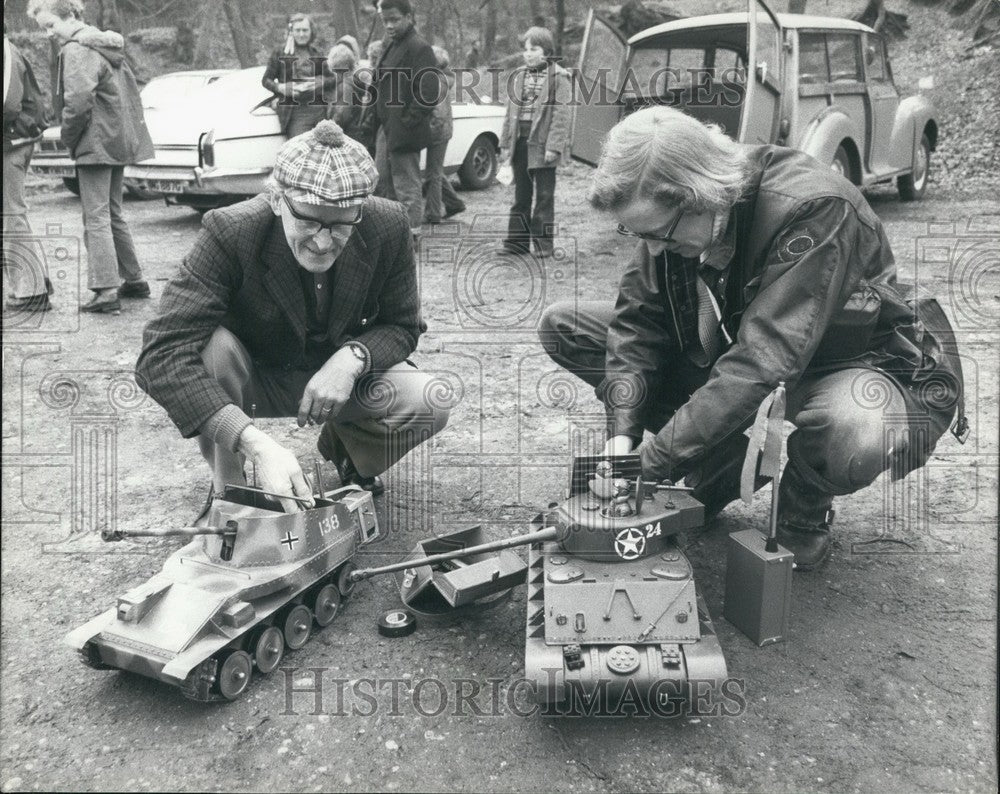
(811, 286)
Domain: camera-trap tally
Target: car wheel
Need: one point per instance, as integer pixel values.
(842, 163)
(912, 186)
(142, 194)
(72, 184)
(480, 165)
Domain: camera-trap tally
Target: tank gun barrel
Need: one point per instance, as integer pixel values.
(540, 536)
(228, 534)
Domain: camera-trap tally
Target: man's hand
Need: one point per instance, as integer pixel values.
(551, 156)
(618, 445)
(330, 388)
(278, 470)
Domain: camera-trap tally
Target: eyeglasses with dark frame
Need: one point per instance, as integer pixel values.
(313, 227)
(656, 238)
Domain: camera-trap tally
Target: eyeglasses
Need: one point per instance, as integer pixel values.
(312, 227)
(656, 238)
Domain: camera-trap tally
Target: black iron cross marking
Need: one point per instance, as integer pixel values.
(290, 539)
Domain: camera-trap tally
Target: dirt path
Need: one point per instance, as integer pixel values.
(887, 682)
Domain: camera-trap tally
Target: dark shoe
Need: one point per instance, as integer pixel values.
(544, 253)
(810, 545)
(33, 304)
(448, 213)
(102, 305)
(48, 286)
(805, 516)
(332, 449)
(134, 289)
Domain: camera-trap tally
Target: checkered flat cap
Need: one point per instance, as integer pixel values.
(324, 166)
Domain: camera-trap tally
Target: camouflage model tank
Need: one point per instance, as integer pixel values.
(613, 610)
(243, 590)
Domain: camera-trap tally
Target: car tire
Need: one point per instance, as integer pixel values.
(912, 186)
(141, 194)
(480, 165)
(72, 184)
(841, 164)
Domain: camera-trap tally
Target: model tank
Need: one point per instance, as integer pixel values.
(613, 610)
(246, 587)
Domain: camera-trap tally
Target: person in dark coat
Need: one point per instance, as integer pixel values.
(408, 89)
(104, 129)
(24, 119)
(291, 75)
(757, 265)
(302, 302)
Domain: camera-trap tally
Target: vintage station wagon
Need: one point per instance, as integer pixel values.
(819, 84)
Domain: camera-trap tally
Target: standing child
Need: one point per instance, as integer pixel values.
(535, 134)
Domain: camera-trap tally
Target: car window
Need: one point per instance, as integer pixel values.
(603, 56)
(875, 59)
(812, 58)
(845, 57)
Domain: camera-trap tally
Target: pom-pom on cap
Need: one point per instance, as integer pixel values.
(325, 166)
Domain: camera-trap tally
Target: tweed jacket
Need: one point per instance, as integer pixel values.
(242, 275)
(550, 124)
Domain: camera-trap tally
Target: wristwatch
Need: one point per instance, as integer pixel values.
(360, 353)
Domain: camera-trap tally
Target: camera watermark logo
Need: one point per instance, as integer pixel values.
(42, 280)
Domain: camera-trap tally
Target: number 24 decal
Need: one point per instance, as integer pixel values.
(651, 531)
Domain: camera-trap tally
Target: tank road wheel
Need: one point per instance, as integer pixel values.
(326, 605)
(297, 626)
(234, 675)
(269, 649)
(344, 583)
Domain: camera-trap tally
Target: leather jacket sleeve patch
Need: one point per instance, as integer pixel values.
(795, 243)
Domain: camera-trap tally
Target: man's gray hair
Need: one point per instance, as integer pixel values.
(661, 153)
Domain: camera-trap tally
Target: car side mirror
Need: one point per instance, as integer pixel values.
(926, 83)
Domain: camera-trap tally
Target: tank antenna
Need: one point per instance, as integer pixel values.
(253, 463)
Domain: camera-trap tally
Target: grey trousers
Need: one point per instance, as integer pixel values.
(400, 178)
(110, 251)
(24, 267)
(389, 414)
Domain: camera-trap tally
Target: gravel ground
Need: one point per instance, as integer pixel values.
(887, 682)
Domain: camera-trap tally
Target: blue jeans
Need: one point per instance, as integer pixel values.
(851, 424)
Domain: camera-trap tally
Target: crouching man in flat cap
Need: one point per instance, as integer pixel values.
(299, 302)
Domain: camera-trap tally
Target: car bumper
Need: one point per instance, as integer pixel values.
(198, 181)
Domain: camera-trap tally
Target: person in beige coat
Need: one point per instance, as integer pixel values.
(535, 135)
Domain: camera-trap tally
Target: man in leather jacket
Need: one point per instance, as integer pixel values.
(757, 265)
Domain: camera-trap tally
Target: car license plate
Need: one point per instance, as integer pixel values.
(54, 170)
(164, 186)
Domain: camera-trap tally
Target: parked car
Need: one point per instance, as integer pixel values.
(820, 84)
(223, 147)
(160, 95)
